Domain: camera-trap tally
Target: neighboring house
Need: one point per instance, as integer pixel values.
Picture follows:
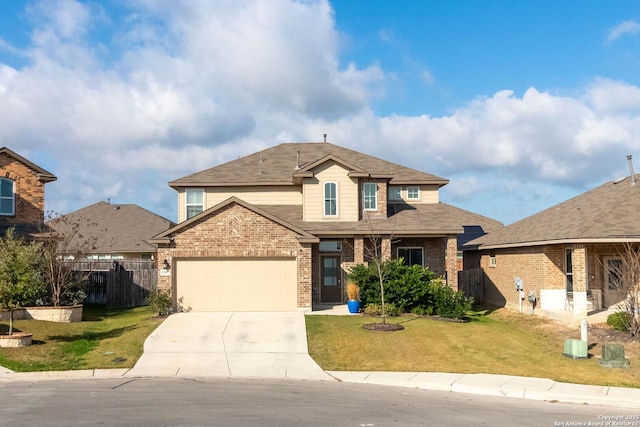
(21, 194)
(568, 255)
(278, 229)
(105, 231)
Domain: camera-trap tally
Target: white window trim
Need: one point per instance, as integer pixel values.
(375, 196)
(12, 198)
(187, 204)
(493, 262)
(410, 247)
(324, 199)
(409, 196)
(391, 196)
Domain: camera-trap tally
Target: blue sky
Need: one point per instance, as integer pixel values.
(520, 104)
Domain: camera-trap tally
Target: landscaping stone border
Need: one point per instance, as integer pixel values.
(64, 314)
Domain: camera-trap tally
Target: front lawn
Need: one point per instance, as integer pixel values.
(106, 338)
(502, 342)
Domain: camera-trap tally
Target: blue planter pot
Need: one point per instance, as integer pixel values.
(353, 305)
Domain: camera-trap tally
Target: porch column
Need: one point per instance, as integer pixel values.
(358, 250)
(579, 264)
(451, 260)
(386, 248)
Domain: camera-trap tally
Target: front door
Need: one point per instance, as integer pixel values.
(330, 283)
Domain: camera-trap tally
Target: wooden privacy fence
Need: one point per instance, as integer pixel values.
(122, 283)
(471, 282)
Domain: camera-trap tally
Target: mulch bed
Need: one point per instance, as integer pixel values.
(384, 327)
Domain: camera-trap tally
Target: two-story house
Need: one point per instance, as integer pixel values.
(21, 194)
(278, 229)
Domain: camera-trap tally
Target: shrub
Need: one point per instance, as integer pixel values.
(620, 321)
(159, 301)
(372, 309)
(409, 289)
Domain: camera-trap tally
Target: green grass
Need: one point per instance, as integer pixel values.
(499, 343)
(106, 338)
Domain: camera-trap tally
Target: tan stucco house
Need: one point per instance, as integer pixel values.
(278, 229)
(21, 193)
(567, 255)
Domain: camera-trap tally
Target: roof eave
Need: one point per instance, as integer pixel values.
(624, 239)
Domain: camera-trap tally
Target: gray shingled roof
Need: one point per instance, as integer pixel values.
(277, 165)
(416, 220)
(608, 213)
(113, 228)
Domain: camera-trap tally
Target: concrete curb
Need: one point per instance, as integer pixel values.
(500, 385)
(542, 389)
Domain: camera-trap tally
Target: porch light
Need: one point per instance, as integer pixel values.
(166, 265)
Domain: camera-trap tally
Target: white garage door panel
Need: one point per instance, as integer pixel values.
(237, 285)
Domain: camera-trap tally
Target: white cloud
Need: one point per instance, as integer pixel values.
(623, 29)
(182, 86)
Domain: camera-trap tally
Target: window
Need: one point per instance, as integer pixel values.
(493, 261)
(413, 193)
(195, 202)
(395, 193)
(411, 256)
(569, 269)
(330, 246)
(330, 199)
(7, 197)
(370, 196)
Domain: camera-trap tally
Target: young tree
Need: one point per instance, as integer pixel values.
(626, 278)
(21, 279)
(376, 252)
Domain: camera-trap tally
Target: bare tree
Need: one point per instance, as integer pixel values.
(375, 253)
(64, 247)
(625, 276)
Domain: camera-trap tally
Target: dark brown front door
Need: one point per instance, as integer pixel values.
(330, 284)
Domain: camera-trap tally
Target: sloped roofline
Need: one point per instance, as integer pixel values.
(43, 174)
(304, 237)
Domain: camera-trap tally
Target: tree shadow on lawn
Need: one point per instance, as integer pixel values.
(92, 335)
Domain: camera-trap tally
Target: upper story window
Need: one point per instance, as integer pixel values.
(395, 193)
(370, 196)
(7, 197)
(194, 202)
(413, 193)
(330, 199)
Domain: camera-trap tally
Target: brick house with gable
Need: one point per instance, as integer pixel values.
(21, 193)
(568, 255)
(278, 229)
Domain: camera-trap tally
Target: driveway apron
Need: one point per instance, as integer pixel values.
(229, 345)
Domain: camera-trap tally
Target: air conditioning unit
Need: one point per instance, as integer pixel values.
(575, 349)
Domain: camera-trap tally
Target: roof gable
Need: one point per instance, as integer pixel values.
(281, 164)
(43, 174)
(110, 228)
(303, 236)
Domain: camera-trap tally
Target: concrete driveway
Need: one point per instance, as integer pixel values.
(229, 345)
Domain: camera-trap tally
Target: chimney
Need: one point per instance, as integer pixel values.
(633, 175)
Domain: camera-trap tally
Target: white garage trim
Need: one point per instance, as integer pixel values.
(237, 284)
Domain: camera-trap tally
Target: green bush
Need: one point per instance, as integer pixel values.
(409, 289)
(159, 301)
(620, 321)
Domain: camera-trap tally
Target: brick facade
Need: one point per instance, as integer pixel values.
(29, 191)
(237, 232)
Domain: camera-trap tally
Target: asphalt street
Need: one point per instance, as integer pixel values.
(243, 402)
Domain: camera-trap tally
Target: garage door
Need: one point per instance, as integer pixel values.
(237, 284)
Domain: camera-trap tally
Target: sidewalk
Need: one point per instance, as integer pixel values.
(480, 384)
